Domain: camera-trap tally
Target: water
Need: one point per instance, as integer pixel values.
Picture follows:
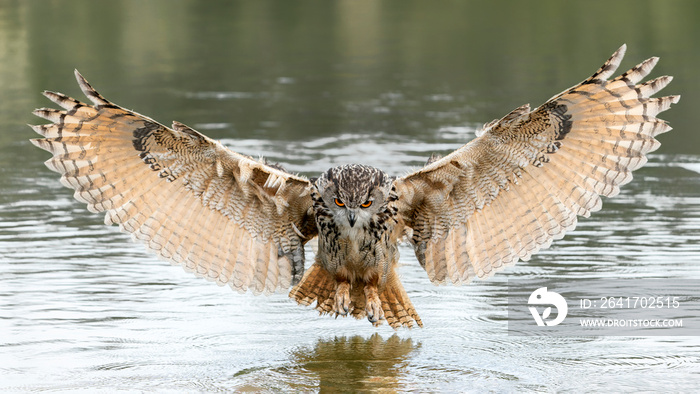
(313, 85)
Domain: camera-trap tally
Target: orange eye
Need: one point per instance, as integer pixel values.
(339, 203)
(366, 204)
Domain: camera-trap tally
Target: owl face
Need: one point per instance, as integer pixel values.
(354, 193)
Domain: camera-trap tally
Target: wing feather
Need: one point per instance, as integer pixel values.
(219, 214)
(525, 179)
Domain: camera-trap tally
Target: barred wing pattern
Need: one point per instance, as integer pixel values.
(522, 183)
(219, 214)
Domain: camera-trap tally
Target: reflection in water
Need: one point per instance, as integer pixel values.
(357, 362)
(352, 363)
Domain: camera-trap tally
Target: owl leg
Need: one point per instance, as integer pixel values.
(342, 299)
(373, 305)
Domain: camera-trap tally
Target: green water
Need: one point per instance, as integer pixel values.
(313, 84)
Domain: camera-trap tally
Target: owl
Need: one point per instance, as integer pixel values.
(242, 222)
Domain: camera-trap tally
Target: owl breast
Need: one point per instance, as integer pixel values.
(360, 252)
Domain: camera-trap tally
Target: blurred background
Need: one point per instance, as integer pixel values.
(312, 84)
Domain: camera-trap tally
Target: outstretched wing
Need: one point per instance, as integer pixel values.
(522, 183)
(222, 215)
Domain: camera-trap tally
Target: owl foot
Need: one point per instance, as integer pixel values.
(342, 299)
(373, 305)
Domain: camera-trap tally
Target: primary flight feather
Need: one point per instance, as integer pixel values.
(243, 222)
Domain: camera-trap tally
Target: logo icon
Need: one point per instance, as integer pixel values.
(543, 297)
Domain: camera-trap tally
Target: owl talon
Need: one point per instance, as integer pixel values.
(373, 306)
(342, 299)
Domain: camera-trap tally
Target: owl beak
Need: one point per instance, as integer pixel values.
(351, 218)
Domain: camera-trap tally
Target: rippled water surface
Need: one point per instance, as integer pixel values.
(312, 85)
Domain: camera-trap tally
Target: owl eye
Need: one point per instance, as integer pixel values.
(339, 203)
(366, 204)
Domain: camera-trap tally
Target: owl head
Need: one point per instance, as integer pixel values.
(354, 193)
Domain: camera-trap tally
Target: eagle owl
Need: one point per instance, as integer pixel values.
(243, 222)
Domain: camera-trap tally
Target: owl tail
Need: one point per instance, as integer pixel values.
(398, 308)
(316, 285)
(319, 285)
